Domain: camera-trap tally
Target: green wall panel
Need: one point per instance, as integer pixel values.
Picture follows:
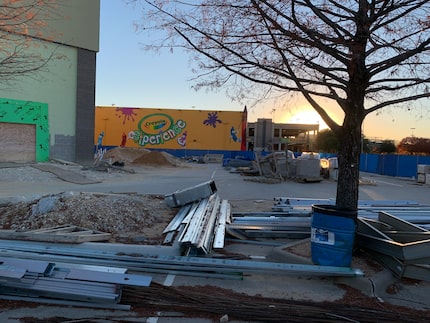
(28, 112)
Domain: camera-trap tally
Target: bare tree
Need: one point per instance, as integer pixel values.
(358, 55)
(414, 146)
(23, 30)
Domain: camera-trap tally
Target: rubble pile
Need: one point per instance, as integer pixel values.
(129, 218)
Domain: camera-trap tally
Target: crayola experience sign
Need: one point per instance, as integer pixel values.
(157, 129)
(168, 128)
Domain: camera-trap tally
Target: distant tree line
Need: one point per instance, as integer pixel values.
(414, 146)
(327, 142)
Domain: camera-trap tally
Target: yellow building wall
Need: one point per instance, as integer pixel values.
(168, 128)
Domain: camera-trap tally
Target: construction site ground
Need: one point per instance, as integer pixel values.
(127, 201)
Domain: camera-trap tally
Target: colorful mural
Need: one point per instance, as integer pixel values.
(169, 128)
(28, 112)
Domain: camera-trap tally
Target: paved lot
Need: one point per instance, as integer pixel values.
(234, 187)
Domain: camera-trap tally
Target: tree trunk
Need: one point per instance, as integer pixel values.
(349, 165)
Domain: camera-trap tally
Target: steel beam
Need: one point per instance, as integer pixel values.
(177, 220)
(178, 264)
(372, 238)
(192, 194)
(399, 224)
(225, 213)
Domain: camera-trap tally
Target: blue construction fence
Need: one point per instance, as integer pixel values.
(196, 153)
(246, 155)
(392, 165)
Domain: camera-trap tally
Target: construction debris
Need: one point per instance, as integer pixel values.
(394, 232)
(399, 245)
(195, 193)
(280, 166)
(128, 218)
(202, 222)
(213, 158)
(47, 280)
(269, 226)
(157, 263)
(407, 210)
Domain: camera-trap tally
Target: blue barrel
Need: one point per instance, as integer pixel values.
(332, 235)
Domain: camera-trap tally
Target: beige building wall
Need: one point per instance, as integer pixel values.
(71, 22)
(67, 83)
(78, 24)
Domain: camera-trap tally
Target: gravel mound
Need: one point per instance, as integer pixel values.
(129, 218)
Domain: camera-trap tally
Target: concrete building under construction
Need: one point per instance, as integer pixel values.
(267, 135)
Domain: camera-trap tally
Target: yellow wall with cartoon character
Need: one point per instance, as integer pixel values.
(169, 128)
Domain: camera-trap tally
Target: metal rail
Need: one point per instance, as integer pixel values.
(169, 264)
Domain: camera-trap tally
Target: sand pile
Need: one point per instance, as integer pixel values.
(141, 156)
(157, 158)
(125, 155)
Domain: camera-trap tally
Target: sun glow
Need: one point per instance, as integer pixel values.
(307, 116)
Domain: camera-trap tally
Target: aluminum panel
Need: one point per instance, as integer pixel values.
(106, 277)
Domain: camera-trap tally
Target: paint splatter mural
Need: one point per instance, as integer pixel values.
(126, 114)
(182, 140)
(212, 119)
(233, 135)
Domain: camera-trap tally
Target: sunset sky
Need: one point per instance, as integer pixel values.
(128, 76)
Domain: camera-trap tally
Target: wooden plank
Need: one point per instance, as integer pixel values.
(65, 233)
(61, 228)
